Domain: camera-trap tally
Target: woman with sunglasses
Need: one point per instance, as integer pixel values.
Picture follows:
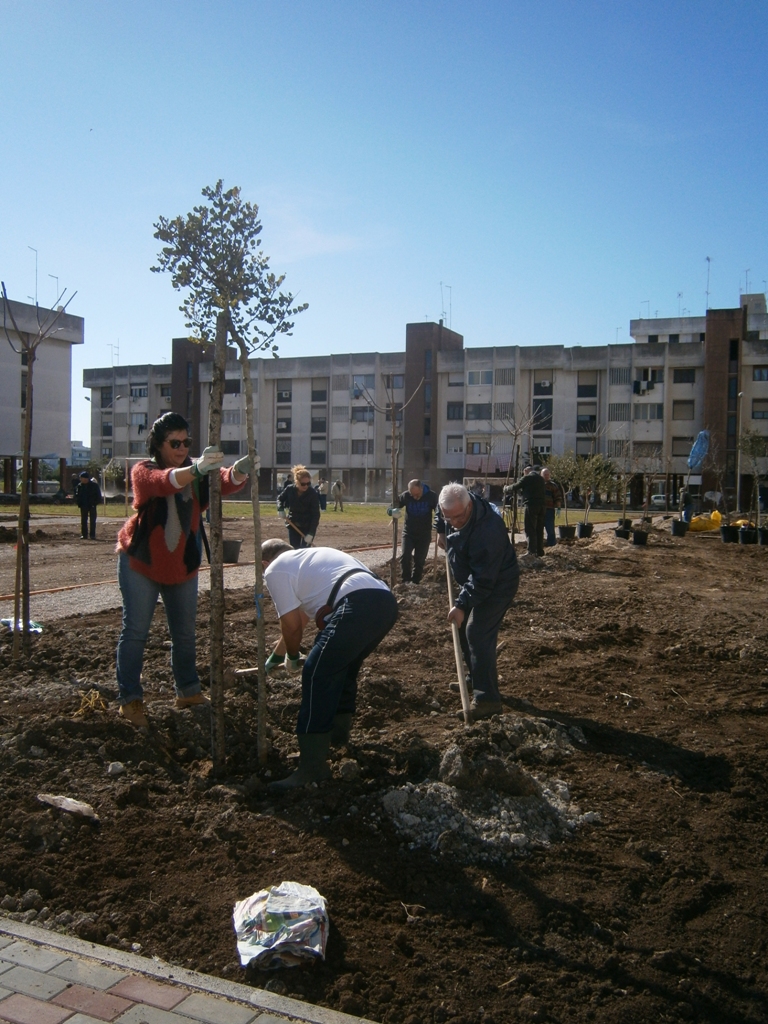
(299, 506)
(159, 552)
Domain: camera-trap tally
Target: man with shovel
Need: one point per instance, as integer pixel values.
(484, 564)
(353, 610)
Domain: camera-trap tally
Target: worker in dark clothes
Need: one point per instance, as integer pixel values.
(88, 497)
(534, 494)
(419, 503)
(299, 506)
(484, 564)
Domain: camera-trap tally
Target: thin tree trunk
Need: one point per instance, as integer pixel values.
(393, 564)
(218, 732)
(21, 596)
(261, 645)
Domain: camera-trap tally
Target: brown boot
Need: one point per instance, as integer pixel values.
(134, 712)
(188, 702)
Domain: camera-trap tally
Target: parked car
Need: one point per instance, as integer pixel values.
(658, 501)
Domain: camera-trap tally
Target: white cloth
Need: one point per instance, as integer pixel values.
(304, 579)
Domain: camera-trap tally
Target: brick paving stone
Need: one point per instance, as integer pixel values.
(33, 983)
(5, 941)
(153, 1015)
(83, 1018)
(4, 992)
(83, 972)
(104, 1005)
(20, 1009)
(155, 993)
(265, 1018)
(5, 965)
(213, 1010)
(32, 956)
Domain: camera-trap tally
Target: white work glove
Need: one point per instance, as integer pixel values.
(292, 665)
(211, 459)
(281, 513)
(394, 512)
(243, 466)
(309, 537)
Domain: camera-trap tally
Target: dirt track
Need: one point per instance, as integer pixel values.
(610, 867)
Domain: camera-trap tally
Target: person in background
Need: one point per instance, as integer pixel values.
(484, 564)
(553, 501)
(534, 494)
(159, 553)
(337, 493)
(419, 503)
(298, 505)
(88, 499)
(322, 493)
(354, 610)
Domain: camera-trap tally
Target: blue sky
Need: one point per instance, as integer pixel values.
(562, 166)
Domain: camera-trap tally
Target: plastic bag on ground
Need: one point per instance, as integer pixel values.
(281, 926)
(34, 627)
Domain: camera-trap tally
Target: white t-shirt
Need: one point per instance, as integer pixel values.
(304, 579)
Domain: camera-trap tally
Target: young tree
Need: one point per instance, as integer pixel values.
(28, 344)
(565, 472)
(754, 449)
(594, 475)
(214, 255)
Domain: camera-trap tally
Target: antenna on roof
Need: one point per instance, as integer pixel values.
(709, 260)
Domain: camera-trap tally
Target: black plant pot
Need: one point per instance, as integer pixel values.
(729, 534)
(679, 527)
(566, 532)
(762, 535)
(622, 534)
(584, 530)
(624, 524)
(640, 537)
(747, 535)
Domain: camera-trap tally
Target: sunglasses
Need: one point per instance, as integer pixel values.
(175, 443)
(304, 483)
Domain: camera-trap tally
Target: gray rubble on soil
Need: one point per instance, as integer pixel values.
(486, 806)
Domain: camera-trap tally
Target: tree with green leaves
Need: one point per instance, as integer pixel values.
(594, 475)
(214, 255)
(565, 472)
(754, 450)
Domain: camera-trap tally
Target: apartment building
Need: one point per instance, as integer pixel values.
(463, 412)
(52, 379)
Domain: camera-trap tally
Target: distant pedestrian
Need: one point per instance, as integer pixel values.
(419, 503)
(322, 493)
(337, 493)
(553, 501)
(534, 494)
(88, 498)
(298, 504)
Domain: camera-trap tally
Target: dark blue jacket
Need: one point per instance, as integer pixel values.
(302, 506)
(88, 494)
(481, 557)
(419, 513)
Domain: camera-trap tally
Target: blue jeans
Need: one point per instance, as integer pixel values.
(359, 623)
(549, 526)
(140, 596)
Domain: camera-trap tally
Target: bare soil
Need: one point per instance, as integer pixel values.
(600, 855)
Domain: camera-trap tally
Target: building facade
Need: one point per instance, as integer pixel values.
(460, 412)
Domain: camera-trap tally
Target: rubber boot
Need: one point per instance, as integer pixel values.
(314, 748)
(342, 726)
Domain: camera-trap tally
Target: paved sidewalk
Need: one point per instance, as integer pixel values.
(48, 978)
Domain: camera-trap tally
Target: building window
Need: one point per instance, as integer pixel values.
(477, 447)
(617, 449)
(230, 447)
(455, 443)
(319, 424)
(340, 382)
(139, 419)
(138, 390)
(317, 455)
(362, 414)
(455, 411)
(684, 375)
(427, 397)
(230, 417)
(428, 363)
(106, 428)
(682, 411)
(653, 339)
(427, 427)
(760, 373)
(619, 375)
(165, 390)
(359, 447)
(340, 413)
(646, 450)
(232, 386)
(541, 446)
(759, 409)
(455, 380)
(106, 452)
(587, 384)
(505, 376)
(681, 446)
(106, 397)
(586, 418)
(654, 410)
(479, 377)
(363, 383)
(504, 411)
(394, 381)
(542, 413)
(619, 412)
(702, 336)
(283, 452)
(585, 447)
(478, 411)
(650, 374)
(339, 446)
(284, 425)
(320, 390)
(674, 339)
(136, 448)
(190, 369)
(542, 382)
